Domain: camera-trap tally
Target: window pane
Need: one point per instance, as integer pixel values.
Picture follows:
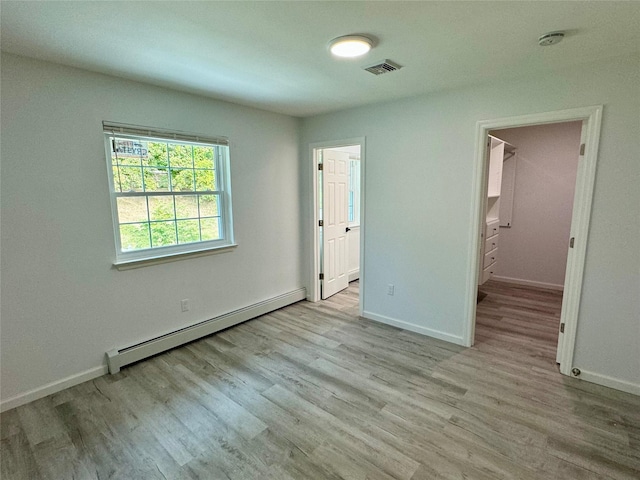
(205, 180)
(163, 234)
(134, 236)
(210, 228)
(128, 152)
(130, 179)
(132, 209)
(182, 180)
(188, 231)
(203, 157)
(132, 161)
(209, 205)
(157, 155)
(180, 155)
(186, 206)
(351, 206)
(156, 180)
(116, 179)
(161, 207)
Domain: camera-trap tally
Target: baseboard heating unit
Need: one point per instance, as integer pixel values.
(117, 359)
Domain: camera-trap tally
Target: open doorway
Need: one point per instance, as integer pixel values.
(338, 218)
(530, 191)
(556, 278)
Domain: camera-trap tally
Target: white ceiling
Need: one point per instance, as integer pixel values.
(273, 55)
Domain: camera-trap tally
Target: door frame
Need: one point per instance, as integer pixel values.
(313, 294)
(583, 198)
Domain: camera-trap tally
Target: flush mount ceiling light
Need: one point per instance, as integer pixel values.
(350, 46)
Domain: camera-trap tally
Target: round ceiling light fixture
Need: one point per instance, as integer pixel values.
(350, 46)
(550, 38)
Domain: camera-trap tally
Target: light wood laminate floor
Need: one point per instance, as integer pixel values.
(314, 392)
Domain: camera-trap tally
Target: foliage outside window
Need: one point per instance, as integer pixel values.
(170, 193)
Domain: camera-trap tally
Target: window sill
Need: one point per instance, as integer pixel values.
(173, 257)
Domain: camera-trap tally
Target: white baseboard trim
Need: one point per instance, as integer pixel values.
(118, 358)
(610, 382)
(447, 337)
(355, 275)
(528, 283)
(53, 387)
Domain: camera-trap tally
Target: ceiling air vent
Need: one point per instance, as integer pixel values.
(385, 66)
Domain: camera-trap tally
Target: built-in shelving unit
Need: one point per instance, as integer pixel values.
(498, 151)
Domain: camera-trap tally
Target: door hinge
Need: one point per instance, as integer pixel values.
(322, 276)
(320, 167)
(582, 149)
(562, 328)
(571, 242)
(320, 223)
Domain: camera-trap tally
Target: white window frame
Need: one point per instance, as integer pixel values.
(223, 186)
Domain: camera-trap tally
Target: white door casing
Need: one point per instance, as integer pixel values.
(335, 186)
(583, 198)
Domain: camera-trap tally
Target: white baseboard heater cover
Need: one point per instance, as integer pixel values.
(116, 359)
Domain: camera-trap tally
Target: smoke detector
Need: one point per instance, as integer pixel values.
(550, 38)
(384, 66)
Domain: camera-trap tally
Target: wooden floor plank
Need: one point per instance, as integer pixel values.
(312, 391)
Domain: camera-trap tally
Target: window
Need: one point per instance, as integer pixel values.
(354, 192)
(170, 193)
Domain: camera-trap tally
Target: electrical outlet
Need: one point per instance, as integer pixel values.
(391, 289)
(184, 305)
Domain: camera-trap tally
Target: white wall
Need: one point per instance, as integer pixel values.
(63, 305)
(420, 154)
(534, 248)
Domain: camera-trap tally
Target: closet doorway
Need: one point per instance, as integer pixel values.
(338, 217)
(533, 218)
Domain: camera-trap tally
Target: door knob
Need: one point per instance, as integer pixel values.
(347, 229)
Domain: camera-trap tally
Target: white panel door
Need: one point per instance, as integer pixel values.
(335, 175)
(568, 276)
